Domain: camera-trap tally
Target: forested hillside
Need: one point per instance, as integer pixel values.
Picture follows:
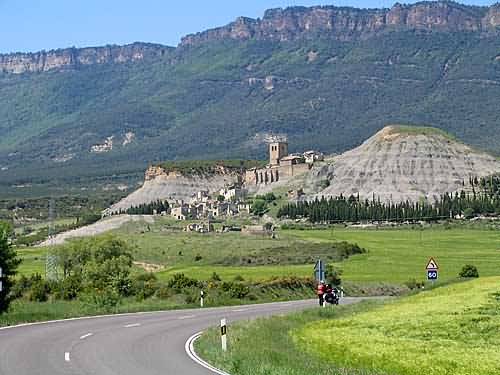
(217, 96)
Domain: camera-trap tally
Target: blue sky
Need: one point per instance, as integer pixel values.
(32, 25)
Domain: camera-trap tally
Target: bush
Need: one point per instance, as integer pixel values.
(198, 257)
(70, 287)
(163, 292)
(235, 290)
(333, 275)
(106, 299)
(414, 284)
(20, 287)
(144, 285)
(180, 282)
(238, 278)
(215, 277)
(39, 290)
(469, 271)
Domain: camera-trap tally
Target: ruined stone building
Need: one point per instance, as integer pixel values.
(281, 166)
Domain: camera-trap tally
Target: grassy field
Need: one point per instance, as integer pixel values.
(453, 330)
(394, 255)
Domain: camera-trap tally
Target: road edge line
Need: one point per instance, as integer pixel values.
(189, 348)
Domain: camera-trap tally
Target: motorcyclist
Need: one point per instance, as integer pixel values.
(321, 290)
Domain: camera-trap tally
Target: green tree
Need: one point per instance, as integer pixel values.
(333, 275)
(259, 207)
(8, 263)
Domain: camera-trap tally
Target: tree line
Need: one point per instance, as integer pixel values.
(484, 199)
(158, 206)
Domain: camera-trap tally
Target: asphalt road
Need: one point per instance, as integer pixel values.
(134, 344)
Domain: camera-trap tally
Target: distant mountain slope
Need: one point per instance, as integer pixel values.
(400, 163)
(327, 77)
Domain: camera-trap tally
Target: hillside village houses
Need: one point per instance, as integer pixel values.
(230, 201)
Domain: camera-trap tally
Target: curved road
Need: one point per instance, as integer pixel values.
(132, 344)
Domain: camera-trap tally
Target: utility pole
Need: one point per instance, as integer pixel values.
(50, 260)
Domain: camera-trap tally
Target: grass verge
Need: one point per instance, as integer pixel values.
(450, 330)
(454, 330)
(266, 347)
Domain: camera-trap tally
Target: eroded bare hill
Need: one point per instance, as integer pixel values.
(400, 163)
(172, 185)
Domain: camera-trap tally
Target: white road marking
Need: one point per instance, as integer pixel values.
(66, 357)
(186, 317)
(239, 310)
(86, 335)
(132, 325)
(189, 348)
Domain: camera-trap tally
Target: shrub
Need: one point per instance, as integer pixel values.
(39, 290)
(333, 275)
(235, 290)
(179, 282)
(20, 287)
(163, 292)
(239, 278)
(414, 284)
(469, 271)
(144, 285)
(106, 299)
(215, 277)
(70, 287)
(198, 257)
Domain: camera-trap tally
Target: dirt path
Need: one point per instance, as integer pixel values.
(102, 226)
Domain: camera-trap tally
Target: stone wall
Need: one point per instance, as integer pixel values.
(274, 174)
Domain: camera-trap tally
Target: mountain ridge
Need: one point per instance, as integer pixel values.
(347, 23)
(279, 24)
(222, 99)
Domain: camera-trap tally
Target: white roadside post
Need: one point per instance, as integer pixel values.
(223, 334)
(202, 294)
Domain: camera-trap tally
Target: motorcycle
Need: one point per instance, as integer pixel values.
(332, 297)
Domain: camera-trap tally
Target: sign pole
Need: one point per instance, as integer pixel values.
(223, 334)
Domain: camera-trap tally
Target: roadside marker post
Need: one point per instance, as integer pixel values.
(432, 269)
(223, 334)
(202, 295)
(319, 270)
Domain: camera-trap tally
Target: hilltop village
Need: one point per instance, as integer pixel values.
(231, 198)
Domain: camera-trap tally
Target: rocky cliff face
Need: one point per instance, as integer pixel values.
(176, 186)
(350, 23)
(72, 58)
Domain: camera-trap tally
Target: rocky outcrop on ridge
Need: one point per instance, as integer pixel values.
(71, 58)
(345, 23)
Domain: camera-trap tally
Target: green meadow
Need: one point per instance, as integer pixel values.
(451, 330)
(394, 255)
(397, 255)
